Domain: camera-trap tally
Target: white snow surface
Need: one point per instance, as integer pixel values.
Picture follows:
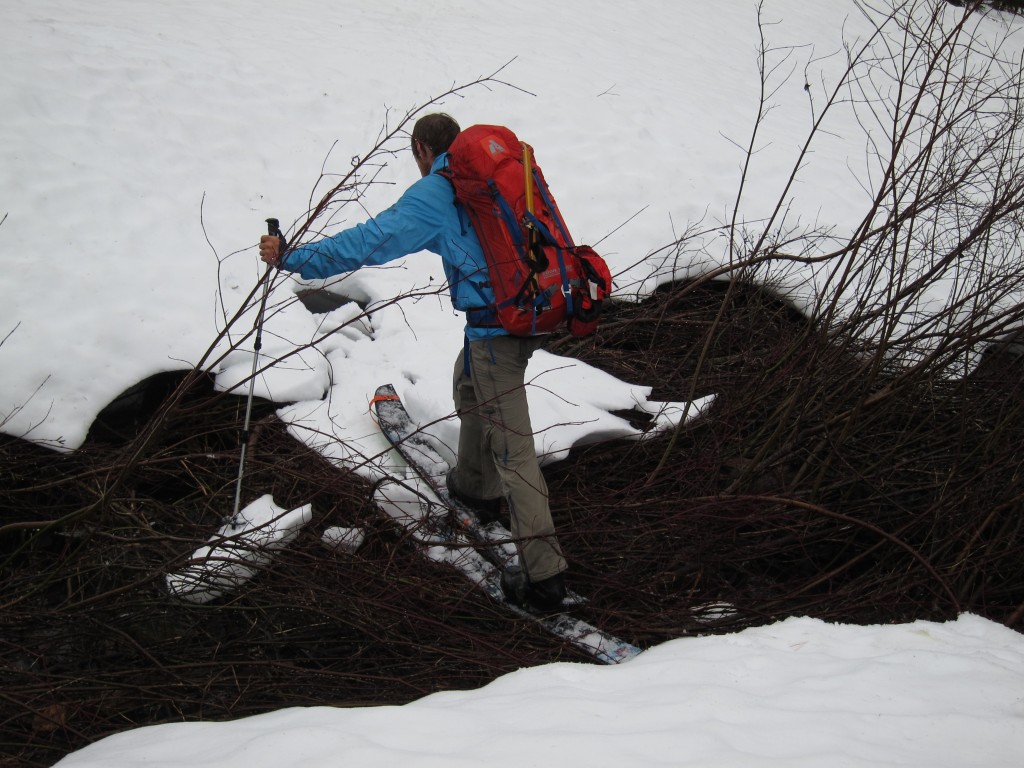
(142, 145)
(245, 542)
(793, 694)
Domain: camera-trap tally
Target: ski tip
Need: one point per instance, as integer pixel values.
(384, 394)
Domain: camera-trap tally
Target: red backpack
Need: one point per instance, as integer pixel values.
(541, 280)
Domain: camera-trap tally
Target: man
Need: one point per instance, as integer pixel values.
(496, 457)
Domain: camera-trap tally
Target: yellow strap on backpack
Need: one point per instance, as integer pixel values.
(534, 248)
(528, 175)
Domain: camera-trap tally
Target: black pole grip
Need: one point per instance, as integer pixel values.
(274, 229)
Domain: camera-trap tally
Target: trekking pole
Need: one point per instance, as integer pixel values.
(273, 228)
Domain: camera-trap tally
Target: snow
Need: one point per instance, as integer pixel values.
(343, 539)
(245, 542)
(153, 140)
(796, 693)
(144, 143)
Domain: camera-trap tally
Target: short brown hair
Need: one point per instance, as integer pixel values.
(436, 131)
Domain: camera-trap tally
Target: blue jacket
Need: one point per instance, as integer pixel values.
(425, 218)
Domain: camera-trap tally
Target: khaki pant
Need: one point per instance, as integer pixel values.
(497, 457)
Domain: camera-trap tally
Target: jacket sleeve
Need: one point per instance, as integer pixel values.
(408, 226)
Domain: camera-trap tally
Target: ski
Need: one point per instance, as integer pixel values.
(423, 457)
(450, 532)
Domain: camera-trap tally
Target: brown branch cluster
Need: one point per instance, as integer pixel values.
(817, 484)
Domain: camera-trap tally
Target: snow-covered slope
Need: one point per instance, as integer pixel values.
(144, 143)
(794, 694)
